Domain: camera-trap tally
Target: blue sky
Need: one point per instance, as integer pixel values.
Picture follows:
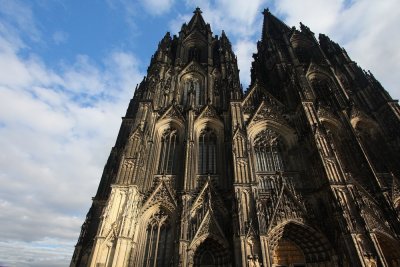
(69, 68)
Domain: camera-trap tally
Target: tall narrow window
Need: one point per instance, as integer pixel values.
(159, 241)
(323, 92)
(168, 152)
(199, 93)
(134, 146)
(186, 91)
(194, 54)
(268, 156)
(207, 163)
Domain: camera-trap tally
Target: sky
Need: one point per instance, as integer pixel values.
(69, 68)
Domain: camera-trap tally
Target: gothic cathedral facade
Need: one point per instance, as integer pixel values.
(302, 169)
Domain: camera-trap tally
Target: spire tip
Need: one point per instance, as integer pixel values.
(197, 10)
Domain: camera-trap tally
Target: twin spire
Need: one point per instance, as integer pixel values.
(197, 22)
(272, 26)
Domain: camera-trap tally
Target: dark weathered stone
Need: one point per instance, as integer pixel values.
(301, 170)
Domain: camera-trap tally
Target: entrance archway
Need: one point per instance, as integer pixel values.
(390, 249)
(287, 254)
(298, 245)
(210, 254)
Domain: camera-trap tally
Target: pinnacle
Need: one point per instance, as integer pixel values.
(197, 11)
(197, 20)
(272, 26)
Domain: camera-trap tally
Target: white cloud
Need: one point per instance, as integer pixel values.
(19, 17)
(238, 18)
(176, 23)
(367, 29)
(375, 46)
(241, 20)
(84, 77)
(244, 50)
(320, 14)
(244, 11)
(46, 253)
(57, 129)
(157, 7)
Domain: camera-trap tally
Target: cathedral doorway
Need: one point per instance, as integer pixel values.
(210, 254)
(390, 249)
(288, 254)
(294, 244)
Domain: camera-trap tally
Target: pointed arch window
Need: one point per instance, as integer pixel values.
(159, 241)
(168, 152)
(267, 183)
(303, 54)
(322, 90)
(267, 152)
(207, 161)
(134, 146)
(194, 54)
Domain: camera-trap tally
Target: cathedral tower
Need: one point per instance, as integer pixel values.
(301, 170)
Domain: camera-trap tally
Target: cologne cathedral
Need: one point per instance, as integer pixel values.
(301, 169)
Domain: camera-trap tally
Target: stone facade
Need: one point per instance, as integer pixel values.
(300, 170)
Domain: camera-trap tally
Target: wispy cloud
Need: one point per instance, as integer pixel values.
(46, 253)
(57, 127)
(238, 18)
(367, 29)
(157, 7)
(60, 37)
(18, 19)
(244, 50)
(320, 15)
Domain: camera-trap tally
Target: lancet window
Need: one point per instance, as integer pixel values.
(267, 183)
(371, 140)
(159, 241)
(207, 161)
(267, 152)
(323, 91)
(134, 146)
(168, 152)
(303, 54)
(194, 54)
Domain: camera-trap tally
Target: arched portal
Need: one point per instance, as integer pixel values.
(299, 245)
(390, 249)
(287, 253)
(211, 254)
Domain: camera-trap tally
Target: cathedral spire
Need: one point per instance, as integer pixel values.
(272, 26)
(197, 21)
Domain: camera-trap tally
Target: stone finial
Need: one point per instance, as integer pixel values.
(197, 10)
